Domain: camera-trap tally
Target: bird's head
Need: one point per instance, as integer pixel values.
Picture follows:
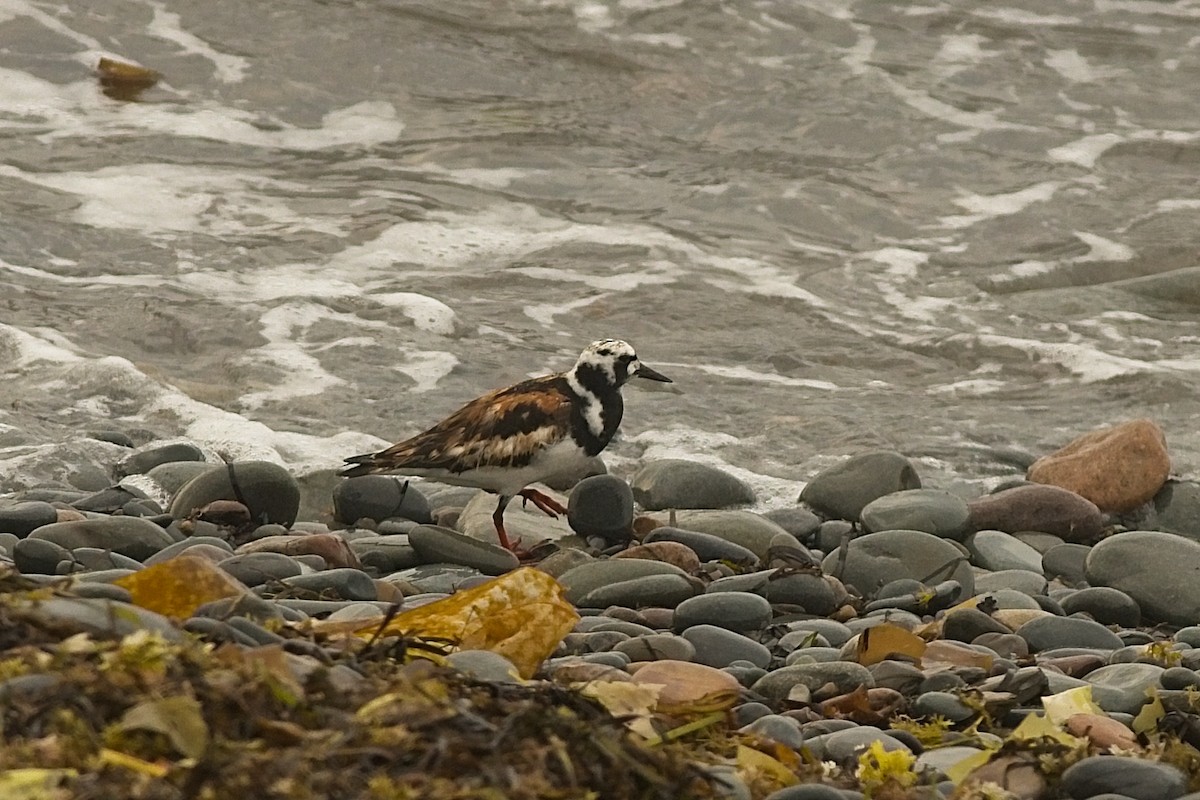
(616, 361)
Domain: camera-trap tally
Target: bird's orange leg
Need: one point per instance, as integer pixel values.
(498, 521)
(543, 501)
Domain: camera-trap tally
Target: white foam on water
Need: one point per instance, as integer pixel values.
(302, 374)
(671, 40)
(426, 313)
(1023, 18)
(984, 207)
(1099, 249)
(1086, 151)
(81, 281)
(655, 273)
(484, 178)
(747, 374)
(169, 198)
(544, 313)
(972, 387)
(426, 368)
(697, 445)
(758, 277)
(167, 25)
(1086, 361)
(23, 348)
(1185, 10)
(1178, 204)
(901, 262)
(1075, 68)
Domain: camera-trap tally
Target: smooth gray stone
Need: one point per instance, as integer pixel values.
(385, 554)
(1042, 542)
(816, 654)
(579, 581)
(179, 548)
(38, 556)
(942, 704)
(578, 644)
(835, 633)
(967, 624)
(797, 520)
(650, 591)
(8, 541)
(657, 647)
(719, 647)
(23, 519)
(845, 675)
(784, 730)
(878, 558)
(1177, 509)
(1122, 687)
(996, 550)
(807, 791)
(1179, 678)
(1106, 605)
(843, 490)
(1189, 635)
(255, 569)
(1009, 598)
(752, 531)
(677, 483)
(93, 558)
(435, 544)
(436, 578)
(810, 591)
(1047, 633)
(706, 546)
(254, 631)
(560, 562)
(484, 665)
(1005, 645)
(1067, 561)
(602, 505)
(606, 623)
(1028, 582)
(845, 746)
(270, 492)
(379, 497)
(1158, 570)
(243, 605)
(344, 583)
(103, 575)
(135, 537)
(901, 676)
(102, 617)
(149, 456)
(103, 591)
(172, 475)
(934, 511)
(1141, 780)
(217, 630)
(735, 611)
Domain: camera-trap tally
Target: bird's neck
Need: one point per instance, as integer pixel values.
(598, 405)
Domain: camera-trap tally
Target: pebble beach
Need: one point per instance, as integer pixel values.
(879, 638)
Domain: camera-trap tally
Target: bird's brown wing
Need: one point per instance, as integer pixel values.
(502, 428)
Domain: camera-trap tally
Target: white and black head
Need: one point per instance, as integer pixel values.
(607, 364)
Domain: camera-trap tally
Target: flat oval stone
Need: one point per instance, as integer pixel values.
(23, 519)
(934, 511)
(677, 483)
(752, 531)
(1141, 780)
(846, 745)
(436, 544)
(1048, 509)
(223, 550)
(1028, 582)
(149, 456)
(135, 537)
(1106, 605)
(719, 647)
(878, 558)
(343, 583)
(706, 546)
(996, 550)
(39, 557)
(255, 569)
(845, 675)
(843, 490)
(805, 589)
(579, 581)
(665, 591)
(1158, 570)
(657, 647)
(601, 505)
(385, 554)
(1122, 687)
(1050, 632)
(379, 497)
(735, 611)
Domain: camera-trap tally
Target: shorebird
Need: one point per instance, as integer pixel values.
(522, 434)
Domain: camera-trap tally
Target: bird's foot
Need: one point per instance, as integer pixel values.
(543, 501)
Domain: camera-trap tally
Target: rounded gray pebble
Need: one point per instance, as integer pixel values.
(719, 647)
(23, 519)
(1106, 605)
(270, 492)
(379, 497)
(735, 611)
(601, 505)
(1045, 633)
(677, 483)
(1141, 780)
(38, 556)
(705, 545)
(666, 591)
(435, 544)
(657, 647)
(942, 704)
(255, 569)
(135, 537)
(344, 583)
(777, 728)
(178, 548)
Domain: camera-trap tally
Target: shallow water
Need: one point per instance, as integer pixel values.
(956, 229)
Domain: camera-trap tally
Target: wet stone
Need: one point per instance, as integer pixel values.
(1029, 582)
(707, 547)
(585, 578)
(846, 745)
(1177, 509)
(601, 505)
(807, 791)
(719, 647)
(1048, 509)
(1141, 780)
(844, 675)
(135, 537)
(942, 704)
(996, 550)
(93, 558)
(342, 583)
(752, 531)
(189, 544)
(834, 633)
(174, 474)
(38, 556)
(255, 569)
(385, 554)
(933, 511)
(677, 483)
(1122, 687)
(657, 647)
(22, 519)
(147, 457)
(1158, 570)
(651, 590)
(105, 618)
(379, 497)
(798, 521)
(1106, 605)
(878, 558)
(843, 490)
(435, 544)
(1050, 632)
(268, 490)
(967, 624)
(811, 592)
(776, 728)
(1066, 561)
(735, 611)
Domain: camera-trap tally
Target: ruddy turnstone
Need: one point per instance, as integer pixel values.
(525, 433)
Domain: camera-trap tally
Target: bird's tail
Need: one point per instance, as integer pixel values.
(365, 464)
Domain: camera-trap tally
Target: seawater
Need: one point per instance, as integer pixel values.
(957, 229)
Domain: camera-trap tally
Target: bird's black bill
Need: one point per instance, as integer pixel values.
(652, 375)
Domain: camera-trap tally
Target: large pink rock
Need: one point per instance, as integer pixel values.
(1117, 468)
(1048, 509)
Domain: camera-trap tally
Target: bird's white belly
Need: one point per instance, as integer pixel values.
(564, 457)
